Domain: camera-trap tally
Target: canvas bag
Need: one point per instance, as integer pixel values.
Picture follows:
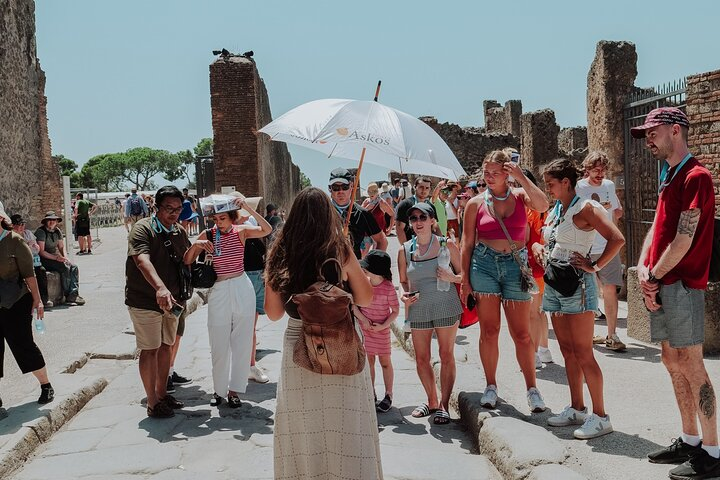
(329, 344)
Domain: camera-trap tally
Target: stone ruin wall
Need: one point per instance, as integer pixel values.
(30, 181)
(249, 161)
(703, 111)
(503, 119)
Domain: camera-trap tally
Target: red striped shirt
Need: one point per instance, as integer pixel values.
(232, 252)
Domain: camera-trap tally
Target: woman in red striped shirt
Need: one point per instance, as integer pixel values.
(231, 301)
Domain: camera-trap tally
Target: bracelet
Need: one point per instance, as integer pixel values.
(595, 266)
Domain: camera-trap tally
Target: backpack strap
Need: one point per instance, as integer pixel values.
(338, 270)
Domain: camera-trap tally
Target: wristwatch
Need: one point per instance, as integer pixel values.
(652, 278)
(595, 266)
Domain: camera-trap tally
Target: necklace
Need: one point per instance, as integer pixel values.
(497, 197)
(415, 248)
(666, 170)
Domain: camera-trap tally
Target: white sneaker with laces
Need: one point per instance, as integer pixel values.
(258, 375)
(569, 416)
(538, 362)
(535, 400)
(594, 426)
(489, 397)
(545, 355)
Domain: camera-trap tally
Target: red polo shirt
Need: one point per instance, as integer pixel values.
(691, 188)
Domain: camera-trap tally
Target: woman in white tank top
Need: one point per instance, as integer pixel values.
(569, 232)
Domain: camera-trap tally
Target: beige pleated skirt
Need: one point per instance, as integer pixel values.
(325, 425)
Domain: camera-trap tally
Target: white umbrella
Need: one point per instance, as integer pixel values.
(368, 131)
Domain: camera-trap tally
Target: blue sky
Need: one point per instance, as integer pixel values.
(135, 73)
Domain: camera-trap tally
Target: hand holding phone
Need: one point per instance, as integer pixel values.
(471, 302)
(177, 309)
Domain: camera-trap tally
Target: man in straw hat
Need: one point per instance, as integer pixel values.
(673, 270)
(53, 257)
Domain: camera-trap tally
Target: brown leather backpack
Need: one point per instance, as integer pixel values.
(330, 343)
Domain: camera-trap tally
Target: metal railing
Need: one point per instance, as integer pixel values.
(641, 170)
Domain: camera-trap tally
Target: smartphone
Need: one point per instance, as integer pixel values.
(471, 302)
(413, 293)
(177, 310)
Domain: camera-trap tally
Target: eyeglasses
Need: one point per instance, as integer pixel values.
(337, 188)
(170, 210)
(422, 217)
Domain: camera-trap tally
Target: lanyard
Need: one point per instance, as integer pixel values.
(666, 170)
(557, 210)
(158, 227)
(217, 242)
(413, 248)
(3, 234)
(341, 210)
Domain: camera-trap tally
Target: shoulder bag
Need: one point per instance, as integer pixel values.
(184, 273)
(527, 281)
(202, 270)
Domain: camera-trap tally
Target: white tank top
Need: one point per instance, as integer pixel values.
(569, 238)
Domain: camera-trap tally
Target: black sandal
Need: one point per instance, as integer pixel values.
(423, 410)
(234, 401)
(216, 400)
(441, 417)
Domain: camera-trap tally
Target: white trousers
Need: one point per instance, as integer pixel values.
(231, 320)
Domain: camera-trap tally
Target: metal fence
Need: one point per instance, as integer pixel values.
(641, 170)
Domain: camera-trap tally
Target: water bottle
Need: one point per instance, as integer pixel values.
(443, 262)
(38, 323)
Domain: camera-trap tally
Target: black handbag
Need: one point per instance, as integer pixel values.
(184, 273)
(203, 272)
(565, 279)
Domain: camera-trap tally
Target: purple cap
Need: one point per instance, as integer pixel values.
(661, 116)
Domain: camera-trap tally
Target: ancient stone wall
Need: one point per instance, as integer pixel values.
(502, 119)
(469, 144)
(29, 178)
(703, 111)
(573, 143)
(610, 80)
(538, 139)
(243, 159)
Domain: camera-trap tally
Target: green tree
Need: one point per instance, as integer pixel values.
(185, 163)
(204, 148)
(304, 181)
(141, 164)
(102, 172)
(67, 166)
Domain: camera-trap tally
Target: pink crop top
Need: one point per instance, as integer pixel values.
(489, 228)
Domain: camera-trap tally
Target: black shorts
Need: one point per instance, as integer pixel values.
(16, 329)
(82, 227)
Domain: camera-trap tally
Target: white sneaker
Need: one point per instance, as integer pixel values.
(569, 416)
(535, 400)
(545, 355)
(594, 426)
(538, 362)
(258, 375)
(489, 397)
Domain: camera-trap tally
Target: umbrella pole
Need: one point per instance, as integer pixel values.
(354, 191)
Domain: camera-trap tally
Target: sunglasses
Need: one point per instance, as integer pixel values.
(337, 188)
(422, 217)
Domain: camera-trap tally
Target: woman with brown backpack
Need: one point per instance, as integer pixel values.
(325, 423)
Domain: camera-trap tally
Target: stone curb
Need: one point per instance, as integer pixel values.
(32, 434)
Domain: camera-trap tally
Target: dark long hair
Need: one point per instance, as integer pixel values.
(312, 234)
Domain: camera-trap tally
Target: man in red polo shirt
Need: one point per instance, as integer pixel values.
(673, 271)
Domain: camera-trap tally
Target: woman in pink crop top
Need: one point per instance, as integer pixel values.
(231, 302)
(491, 273)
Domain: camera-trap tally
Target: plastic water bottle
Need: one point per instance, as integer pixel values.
(443, 262)
(38, 323)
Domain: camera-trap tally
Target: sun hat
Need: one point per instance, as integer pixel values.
(661, 116)
(50, 215)
(377, 262)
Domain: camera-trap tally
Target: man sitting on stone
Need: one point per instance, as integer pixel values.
(83, 210)
(18, 226)
(54, 258)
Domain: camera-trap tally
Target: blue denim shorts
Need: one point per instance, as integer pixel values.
(497, 273)
(554, 302)
(259, 285)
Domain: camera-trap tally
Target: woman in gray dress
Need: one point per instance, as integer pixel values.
(430, 309)
(325, 425)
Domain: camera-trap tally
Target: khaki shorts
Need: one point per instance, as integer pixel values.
(612, 273)
(153, 328)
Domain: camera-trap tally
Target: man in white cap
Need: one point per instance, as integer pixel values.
(673, 270)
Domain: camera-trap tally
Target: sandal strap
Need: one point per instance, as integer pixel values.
(422, 410)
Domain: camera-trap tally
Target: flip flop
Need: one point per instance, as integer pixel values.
(441, 417)
(423, 410)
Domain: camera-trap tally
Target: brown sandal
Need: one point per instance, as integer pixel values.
(160, 410)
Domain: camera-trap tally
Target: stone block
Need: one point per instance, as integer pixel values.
(55, 289)
(516, 447)
(638, 321)
(554, 472)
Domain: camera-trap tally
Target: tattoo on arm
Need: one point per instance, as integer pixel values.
(688, 222)
(707, 400)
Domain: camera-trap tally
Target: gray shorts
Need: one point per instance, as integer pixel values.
(437, 323)
(612, 273)
(681, 319)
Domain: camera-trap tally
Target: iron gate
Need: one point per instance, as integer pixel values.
(641, 170)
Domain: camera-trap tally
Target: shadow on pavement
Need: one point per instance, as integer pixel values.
(261, 353)
(634, 351)
(461, 340)
(14, 418)
(552, 372)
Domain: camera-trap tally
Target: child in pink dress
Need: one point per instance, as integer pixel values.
(375, 320)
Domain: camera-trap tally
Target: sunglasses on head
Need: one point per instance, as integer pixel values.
(337, 188)
(422, 217)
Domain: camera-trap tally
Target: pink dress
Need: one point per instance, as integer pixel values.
(384, 297)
